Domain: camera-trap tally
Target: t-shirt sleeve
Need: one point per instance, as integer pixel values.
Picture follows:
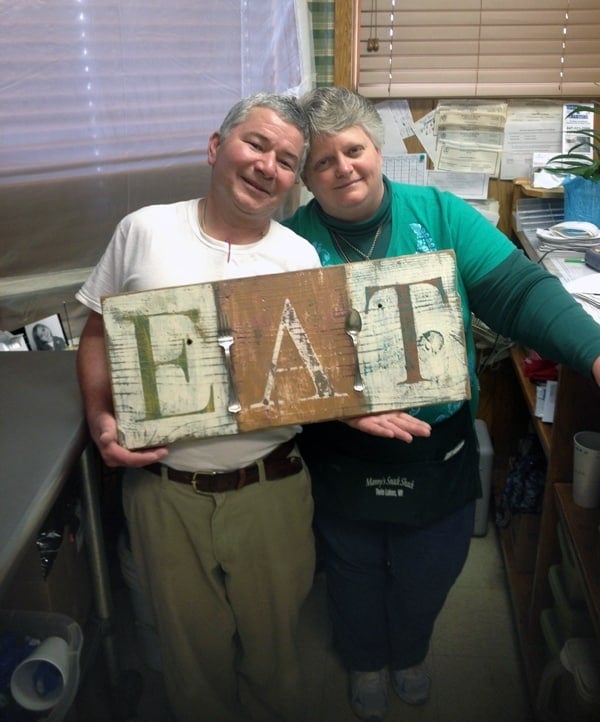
(106, 277)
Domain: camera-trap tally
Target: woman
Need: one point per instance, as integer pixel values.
(45, 340)
(389, 570)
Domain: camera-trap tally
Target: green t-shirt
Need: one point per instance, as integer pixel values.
(512, 295)
(423, 220)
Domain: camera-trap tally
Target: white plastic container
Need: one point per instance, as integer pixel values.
(41, 625)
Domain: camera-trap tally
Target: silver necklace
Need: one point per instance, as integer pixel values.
(338, 239)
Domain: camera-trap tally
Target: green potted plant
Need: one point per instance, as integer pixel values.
(582, 168)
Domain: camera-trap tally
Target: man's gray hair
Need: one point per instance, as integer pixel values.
(332, 110)
(286, 107)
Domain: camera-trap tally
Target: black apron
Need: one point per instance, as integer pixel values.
(368, 478)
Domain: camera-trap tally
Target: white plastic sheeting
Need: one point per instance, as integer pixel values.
(107, 105)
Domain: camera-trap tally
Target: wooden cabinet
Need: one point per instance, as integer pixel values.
(508, 406)
(582, 527)
(577, 407)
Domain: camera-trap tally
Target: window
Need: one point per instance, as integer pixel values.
(106, 106)
(485, 48)
(93, 86)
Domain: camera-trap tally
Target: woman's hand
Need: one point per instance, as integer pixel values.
(391, 424)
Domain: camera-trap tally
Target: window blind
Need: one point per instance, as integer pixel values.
(479, 48)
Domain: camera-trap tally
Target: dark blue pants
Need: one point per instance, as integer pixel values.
(387, 584)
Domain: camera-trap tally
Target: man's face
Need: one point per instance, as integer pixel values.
(256, 165)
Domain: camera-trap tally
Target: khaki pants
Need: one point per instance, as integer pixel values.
(227, 575)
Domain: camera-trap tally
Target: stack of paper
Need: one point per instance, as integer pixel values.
(568, 236)
(586, 289)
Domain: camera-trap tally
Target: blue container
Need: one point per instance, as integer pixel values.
(582, 200)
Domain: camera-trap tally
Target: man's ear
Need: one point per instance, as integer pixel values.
(213, 143)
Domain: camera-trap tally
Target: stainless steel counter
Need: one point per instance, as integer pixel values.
(42, 435)
(43, 440)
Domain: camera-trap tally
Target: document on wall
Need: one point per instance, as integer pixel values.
(465, 185)
(469, 135)
(470, 113)
(397, 122)
(425, 131)
(574, 121)
(469, 159)
(531, 126)
(408, 168)
(489, 138)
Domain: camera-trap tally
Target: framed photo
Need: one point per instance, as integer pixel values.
(47, 334)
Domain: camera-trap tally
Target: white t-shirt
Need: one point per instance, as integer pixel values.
(163, 245)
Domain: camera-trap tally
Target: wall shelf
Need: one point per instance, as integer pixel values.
(542, 429)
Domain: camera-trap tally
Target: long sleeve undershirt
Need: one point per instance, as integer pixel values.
(529, 305)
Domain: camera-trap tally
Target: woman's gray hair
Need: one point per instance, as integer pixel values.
(331, 110)
(286, 107)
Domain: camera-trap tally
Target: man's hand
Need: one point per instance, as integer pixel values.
(391, 424)
(94, 380)
(113, 454)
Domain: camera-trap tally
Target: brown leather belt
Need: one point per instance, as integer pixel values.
(277, 465)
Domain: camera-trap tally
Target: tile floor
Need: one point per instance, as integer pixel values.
(476, 669)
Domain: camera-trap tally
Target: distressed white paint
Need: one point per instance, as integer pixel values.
(442, 369)
(182, 322)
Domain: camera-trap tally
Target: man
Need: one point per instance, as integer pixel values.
(226, 572)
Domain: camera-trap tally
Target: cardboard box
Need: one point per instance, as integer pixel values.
(66, 589)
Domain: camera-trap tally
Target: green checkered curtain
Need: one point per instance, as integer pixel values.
(322, 14)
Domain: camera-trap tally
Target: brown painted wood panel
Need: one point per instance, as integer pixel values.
(291, 358)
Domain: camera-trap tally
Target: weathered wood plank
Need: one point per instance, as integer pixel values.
(292, 361)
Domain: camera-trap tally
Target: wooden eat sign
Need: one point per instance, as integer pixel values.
(292, 360)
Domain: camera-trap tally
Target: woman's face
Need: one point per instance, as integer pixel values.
(344, 174)
(43, 333)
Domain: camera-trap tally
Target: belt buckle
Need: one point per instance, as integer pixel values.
(196, 474)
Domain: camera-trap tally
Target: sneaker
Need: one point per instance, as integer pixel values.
(412, 684)
(369, 694)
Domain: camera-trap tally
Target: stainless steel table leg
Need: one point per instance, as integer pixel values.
(90, 476)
